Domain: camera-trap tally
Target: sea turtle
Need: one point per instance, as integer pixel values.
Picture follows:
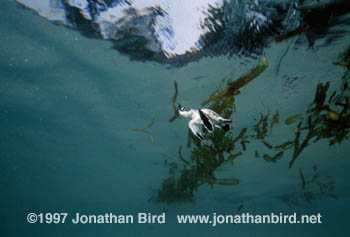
(206, 117)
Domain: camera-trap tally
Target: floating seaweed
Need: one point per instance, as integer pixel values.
(199, 170)
(285, 145)
(292, 119)
(275, 120)
(234, 87)
(144, 130)
(346, 65)
(269, 158)
(176, 112)
(204, 158)
(177, 189)
(181, 157)
(278, 155)
(303, 183)
(226, 182)
(318, 19)
(316, 187)
(268, 145)
(273, 159)
(261, 127)
(325, 118)
(257, 155)
(240, 207)
(345, 59)
(231, 157)
(299, 30)
(333, 114)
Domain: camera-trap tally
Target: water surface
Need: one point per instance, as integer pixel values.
(69, 104)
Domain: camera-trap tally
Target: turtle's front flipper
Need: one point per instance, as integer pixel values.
(206, 121)
(195, 130)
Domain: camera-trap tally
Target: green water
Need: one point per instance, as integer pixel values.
(68, 107)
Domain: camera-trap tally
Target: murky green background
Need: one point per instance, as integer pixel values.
(68, 105)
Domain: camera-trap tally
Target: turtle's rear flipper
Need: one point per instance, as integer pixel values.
(224, 126)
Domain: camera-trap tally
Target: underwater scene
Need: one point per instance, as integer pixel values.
(159, 117)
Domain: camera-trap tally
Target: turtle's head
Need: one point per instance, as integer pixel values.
(185, 111)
